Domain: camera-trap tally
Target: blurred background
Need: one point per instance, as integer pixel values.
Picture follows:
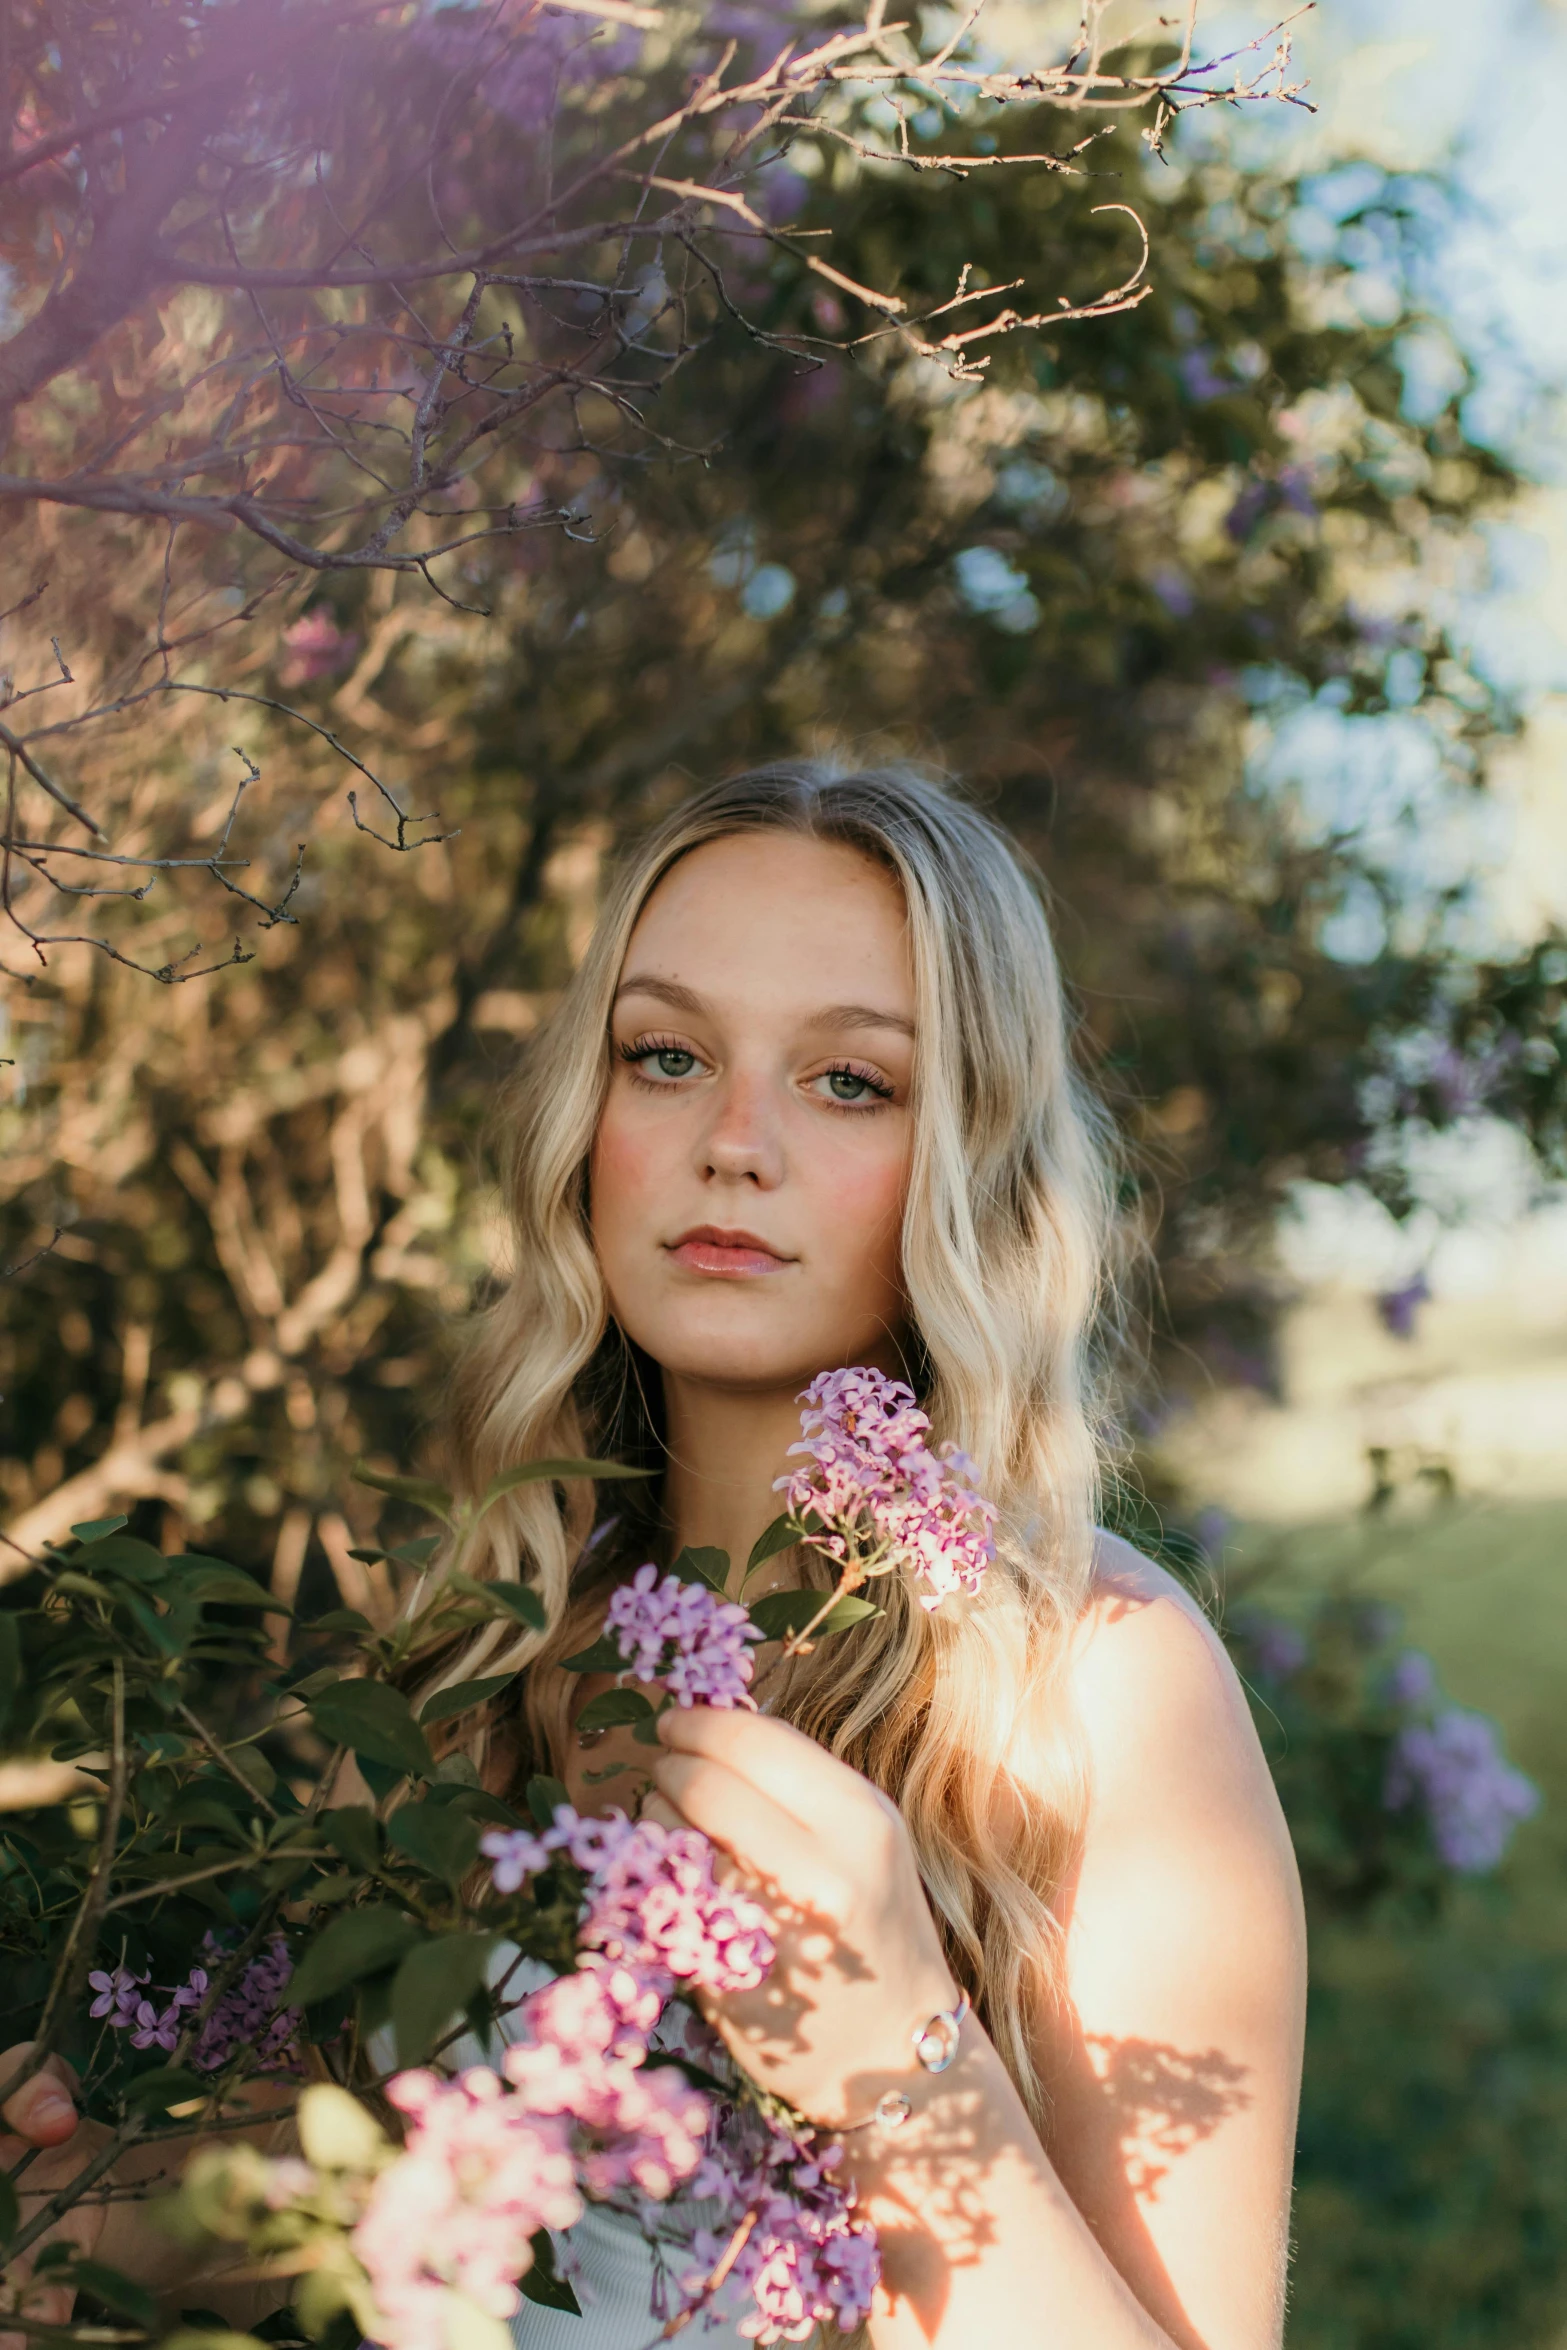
(1247, 609)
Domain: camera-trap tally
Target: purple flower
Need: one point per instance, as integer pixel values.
(119, 1996)
(152, 2030)
(807, 2259)
(882, 1497)
(1278, 1649)
(249, 2014)
(1399, 1307)
(651, 1903)
(1199, 379)
(1472, 1797)
(514, 1855)
(684, 1635)
(1412, 1679)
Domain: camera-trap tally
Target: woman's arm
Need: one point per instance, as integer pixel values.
(1158, 2215)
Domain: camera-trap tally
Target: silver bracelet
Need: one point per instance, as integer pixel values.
(936, 2045)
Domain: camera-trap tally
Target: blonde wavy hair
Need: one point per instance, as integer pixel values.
(960, 1714)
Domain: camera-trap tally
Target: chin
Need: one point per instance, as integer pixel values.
(727, 1342)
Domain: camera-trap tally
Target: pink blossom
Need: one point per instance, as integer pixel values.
(587, 2037)
(684, 1635)
(652, 1903)
(317, 647)
(883, 1497)
(479, 2175)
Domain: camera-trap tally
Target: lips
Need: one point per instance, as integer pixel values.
(718, 1248)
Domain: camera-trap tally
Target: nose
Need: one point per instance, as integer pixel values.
(743, 1142)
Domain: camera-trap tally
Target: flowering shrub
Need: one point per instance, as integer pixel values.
(1389, 1790)
(357, 1930)
(1453, 1766)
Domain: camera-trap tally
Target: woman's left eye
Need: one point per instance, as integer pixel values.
(850, 1086)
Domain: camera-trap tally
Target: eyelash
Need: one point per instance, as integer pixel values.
(642, 1047)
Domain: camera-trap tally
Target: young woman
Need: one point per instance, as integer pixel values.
(808, 1103)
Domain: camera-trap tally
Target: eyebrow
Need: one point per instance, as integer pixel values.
(832, 1016)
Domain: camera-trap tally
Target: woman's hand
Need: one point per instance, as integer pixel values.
(41, 2121)
(860, 1965)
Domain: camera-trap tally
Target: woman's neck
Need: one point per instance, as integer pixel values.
(726, 1447)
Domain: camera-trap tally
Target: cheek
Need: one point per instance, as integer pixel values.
(860, 1216)
(623, 1180)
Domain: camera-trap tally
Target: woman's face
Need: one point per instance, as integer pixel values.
(749, 1170)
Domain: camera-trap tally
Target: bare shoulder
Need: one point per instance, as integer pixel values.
(1148, 1669)
(1175, 1766)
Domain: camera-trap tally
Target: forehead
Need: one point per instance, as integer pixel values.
(778, 913)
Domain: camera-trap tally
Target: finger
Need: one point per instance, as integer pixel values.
(779, 1761)
(769, 1844)
(43, 2110)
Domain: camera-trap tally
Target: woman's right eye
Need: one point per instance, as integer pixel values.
(652, 1060)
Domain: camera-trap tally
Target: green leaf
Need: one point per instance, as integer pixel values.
(533, 1472)
(784, 1613)
(782, 1534)
(544, 2282)
(441, 1841)
(434, 1984)
(339, 1619)
(351, 1830)
(423, 1492)
(519, 1600)
(10, 2210)
(220, 1585)
(358, 1943)
(374, 1720)
(477, 1803)
(417, 1553)
(117, 2292)
(703, 1565)
(96, 1528)
(128, 1555)
(605, 1656)
(463, 1696)
(171, 2085)
(10, 1667)
(615, 1708)
(544, 1797)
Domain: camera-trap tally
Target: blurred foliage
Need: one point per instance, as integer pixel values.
(1083, 585)
(1430, 2195)
(1095, 587)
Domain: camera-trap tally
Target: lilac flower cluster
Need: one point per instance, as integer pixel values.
(684, 1635)
(1454, 1767)
(807, 2260)
(487, 2163)
(884, 1498)
(250, 2013)
(246, 2015)
(123, 2006)
(652, 1903)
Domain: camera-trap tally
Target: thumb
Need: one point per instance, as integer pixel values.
(43, 2110)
